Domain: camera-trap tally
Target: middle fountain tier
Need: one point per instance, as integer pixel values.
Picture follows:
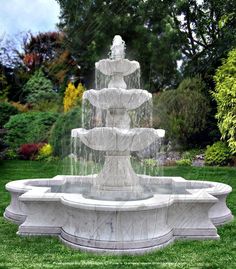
(117, 179)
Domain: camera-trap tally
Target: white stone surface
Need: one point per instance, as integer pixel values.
(117, 139)
(121, 66)
(119, 226)
(117, 98)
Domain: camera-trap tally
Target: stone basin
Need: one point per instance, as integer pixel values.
(178, 209)
(118, 139)
(117, 98)
(122, 66)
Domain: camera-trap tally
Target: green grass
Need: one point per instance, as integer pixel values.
(49, 252)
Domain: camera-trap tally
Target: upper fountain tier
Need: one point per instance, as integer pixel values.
(117, 67)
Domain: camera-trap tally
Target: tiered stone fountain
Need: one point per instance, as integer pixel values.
(117, 210)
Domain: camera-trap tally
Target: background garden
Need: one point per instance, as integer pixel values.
(187, 54)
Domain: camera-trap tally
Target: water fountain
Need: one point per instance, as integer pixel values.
(118, 210)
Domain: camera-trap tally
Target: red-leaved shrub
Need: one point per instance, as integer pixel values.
(29, 151)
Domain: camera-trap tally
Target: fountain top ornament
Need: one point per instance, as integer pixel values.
(117, 210)
(117, 48)
(117, 66)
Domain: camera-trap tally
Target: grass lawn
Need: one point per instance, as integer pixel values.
(49, 252)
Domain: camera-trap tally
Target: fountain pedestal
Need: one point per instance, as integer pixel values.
(118, 181)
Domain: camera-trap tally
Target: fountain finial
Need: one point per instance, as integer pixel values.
(117, 48)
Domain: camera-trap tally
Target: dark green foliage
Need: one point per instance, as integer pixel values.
(192, 84)
(31, 127)
(182, 113)
(217, 154)
(144, 25)
(207, 30)
(6, 111)
(61, 132)
(39, 89)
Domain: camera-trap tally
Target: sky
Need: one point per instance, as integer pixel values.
(18, 16)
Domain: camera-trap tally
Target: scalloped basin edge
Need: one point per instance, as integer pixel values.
(118, 226)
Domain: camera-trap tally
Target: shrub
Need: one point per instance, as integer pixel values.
(32, 127)
(61, 131)
(184, 162)
(45, 152)
(150, 162)
(10, 154)
(182, 113)
(29, 151)
(73, 96)
(192, 84)
(39, 89)
(192, 153)
(225, 96)
(217, 154)
(6, 111)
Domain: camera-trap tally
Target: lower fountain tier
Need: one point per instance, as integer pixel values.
(188, 210)
(118, 139)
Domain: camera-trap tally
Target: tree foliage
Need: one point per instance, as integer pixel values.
(144, 25)
(31, 127)
(73, 96)
(207, 30)
(182, 113)
(39, 89)
(198, 32)
(6, 111)
(225, 96)
(41, 48)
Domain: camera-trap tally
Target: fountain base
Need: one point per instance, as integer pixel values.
(178, 209)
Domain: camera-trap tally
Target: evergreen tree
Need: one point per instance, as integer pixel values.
(39, 89)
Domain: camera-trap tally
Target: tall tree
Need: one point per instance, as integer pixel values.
(90, 25)
(208, 31)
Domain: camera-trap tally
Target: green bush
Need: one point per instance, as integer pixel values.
(182, 113)
(6, 111)
(61, 131)
(10, 154)
(217, 154)
(39, 89)
(31, 127)
(184, 162)
(192, 84)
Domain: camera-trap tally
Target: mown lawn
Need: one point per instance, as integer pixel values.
(48, 252)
